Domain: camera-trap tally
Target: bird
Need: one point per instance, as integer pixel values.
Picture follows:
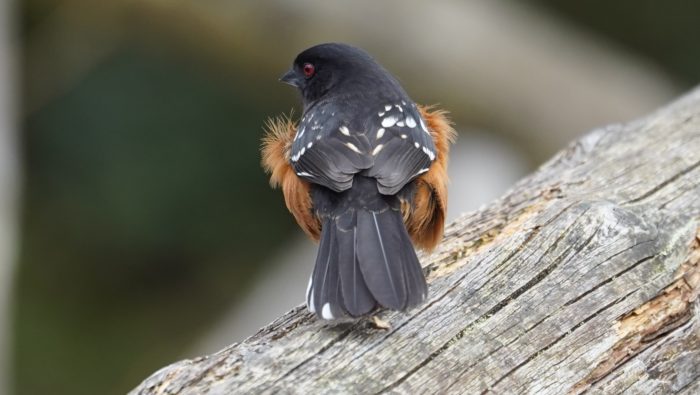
(364, 173)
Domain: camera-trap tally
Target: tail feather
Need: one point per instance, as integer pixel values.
(380, 253)
(414, 277)
(365, 258)
(357, 299)
(324, 297)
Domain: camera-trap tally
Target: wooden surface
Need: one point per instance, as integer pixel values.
(583, 277)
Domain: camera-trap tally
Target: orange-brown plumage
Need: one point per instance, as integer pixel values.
(276, 146)
(424, 218)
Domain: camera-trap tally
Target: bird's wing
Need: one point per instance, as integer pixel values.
(393, 145)
(326, 152)
(402, 146)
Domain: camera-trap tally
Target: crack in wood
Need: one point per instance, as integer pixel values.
(630, 248)
(682, 191)
(609, 280)
(664, 183)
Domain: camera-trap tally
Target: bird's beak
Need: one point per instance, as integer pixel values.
(291, 78)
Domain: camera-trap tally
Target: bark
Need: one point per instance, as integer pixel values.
(583, 277)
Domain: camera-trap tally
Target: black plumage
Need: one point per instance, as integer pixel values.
(361, 142)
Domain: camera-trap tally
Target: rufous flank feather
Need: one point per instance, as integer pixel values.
(276, 146)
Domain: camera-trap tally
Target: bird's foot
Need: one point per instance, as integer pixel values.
(379, 323)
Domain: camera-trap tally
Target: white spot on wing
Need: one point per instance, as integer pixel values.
(304, 174)
(403, 136)
(326, 312)
(400, 124)
(389, 121)
(381, 113)
(380, 133)
(422, 125)
(353, 147)
(344, 130)
(428, 152)
(410, 122)
(311, 143)
(421, 171)
(416, 144)
(377, 149)
(399, 108)
(387, 107)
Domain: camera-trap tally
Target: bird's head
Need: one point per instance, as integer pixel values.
(340, 70)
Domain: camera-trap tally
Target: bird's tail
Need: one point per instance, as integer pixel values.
(365, 259)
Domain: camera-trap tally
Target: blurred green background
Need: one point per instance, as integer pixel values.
(144, 214)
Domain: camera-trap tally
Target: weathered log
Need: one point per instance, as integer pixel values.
(583, 277)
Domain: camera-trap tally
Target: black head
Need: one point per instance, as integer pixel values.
(330, 70)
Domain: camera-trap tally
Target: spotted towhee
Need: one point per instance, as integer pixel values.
(364, 171)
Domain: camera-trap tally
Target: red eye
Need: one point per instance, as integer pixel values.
(309, 70)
